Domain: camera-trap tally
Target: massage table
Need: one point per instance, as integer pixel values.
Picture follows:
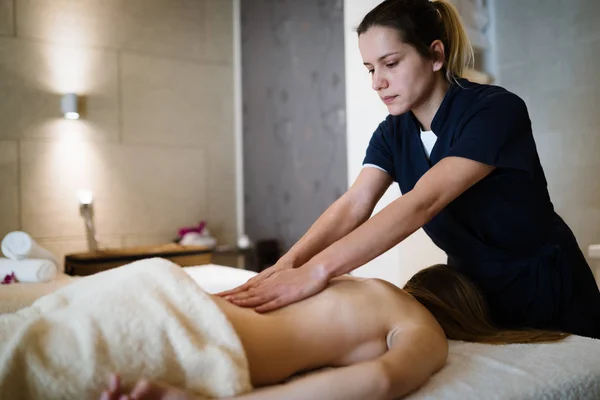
(565, 370)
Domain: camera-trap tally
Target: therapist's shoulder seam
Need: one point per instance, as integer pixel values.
(500, 100)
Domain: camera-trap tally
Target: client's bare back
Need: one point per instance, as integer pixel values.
(345, 324)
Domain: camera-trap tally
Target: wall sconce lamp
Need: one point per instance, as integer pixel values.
(86, 210)
(69, 106)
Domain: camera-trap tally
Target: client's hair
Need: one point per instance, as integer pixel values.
(462, 311)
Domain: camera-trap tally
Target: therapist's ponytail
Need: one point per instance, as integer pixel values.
(420, 23)
(456, 42)
(462, 312)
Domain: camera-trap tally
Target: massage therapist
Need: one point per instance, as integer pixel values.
(466, 162)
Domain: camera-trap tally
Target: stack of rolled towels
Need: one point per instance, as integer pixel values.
(27, 260)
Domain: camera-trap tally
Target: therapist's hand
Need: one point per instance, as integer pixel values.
(282, 288)
(254, 281)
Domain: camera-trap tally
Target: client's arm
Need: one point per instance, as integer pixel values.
(360, 381)
(416, 354)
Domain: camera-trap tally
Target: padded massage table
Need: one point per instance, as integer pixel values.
(566, 370)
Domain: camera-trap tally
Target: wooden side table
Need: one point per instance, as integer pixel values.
(235, 258)
(101, 260)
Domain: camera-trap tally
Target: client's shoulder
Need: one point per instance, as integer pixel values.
(377, 284)
(405, 312)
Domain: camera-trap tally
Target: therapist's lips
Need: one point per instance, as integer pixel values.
(388, 99)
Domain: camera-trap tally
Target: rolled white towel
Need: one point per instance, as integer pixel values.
(19, 245)
(30, 270)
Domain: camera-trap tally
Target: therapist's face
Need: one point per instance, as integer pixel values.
(402, 77)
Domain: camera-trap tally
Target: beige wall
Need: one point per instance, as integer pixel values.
(156, 143)
(548, 53)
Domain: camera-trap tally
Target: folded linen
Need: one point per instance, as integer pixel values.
(19, 245)
(146, 319)
(30, 270)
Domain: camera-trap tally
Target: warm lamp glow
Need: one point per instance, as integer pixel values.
(72, 115)
(86, 197)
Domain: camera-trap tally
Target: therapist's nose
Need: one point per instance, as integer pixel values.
(379, 82)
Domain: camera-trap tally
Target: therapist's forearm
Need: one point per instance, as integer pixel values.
(383, 231)
(338, 220)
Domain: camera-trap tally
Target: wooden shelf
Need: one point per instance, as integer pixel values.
(92, 262)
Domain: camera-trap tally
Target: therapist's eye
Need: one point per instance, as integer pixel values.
(371, 71)
(391, 64)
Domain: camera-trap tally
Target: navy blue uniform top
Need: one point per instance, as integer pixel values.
(502, 232)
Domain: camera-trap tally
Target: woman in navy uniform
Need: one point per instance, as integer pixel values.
(466, 162)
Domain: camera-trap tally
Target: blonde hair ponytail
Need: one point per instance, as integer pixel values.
(459, 52)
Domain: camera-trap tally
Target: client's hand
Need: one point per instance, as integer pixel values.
(114, 390)
(281, 288)
(254, 281)
(143, 390)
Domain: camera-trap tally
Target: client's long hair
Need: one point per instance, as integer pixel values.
(461, 310)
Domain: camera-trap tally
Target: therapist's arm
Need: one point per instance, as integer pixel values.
(351, 210)
(348, 212)
(433, 192)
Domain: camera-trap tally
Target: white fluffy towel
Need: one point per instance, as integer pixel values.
(146, 319)
(19, 245)
(28, 271)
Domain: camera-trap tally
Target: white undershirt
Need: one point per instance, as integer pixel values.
(428, 138)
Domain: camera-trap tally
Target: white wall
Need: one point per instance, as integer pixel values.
(364, 111)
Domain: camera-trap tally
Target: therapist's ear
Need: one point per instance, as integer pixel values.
(438, 54)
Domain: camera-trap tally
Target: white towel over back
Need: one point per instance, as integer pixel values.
(147, 319)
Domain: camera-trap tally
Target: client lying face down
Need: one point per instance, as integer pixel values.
(371, 339)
